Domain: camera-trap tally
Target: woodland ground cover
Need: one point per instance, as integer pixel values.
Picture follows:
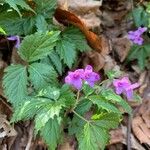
(74, 74)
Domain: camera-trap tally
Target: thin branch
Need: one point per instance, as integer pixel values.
(30, 137)
(129, 132)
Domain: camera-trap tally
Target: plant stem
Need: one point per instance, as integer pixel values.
(104, 81)
(80, 116)
(78, 94)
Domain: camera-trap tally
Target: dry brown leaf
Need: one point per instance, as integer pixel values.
(120, 136)
(142, 82)
(87, 10)
(65, 17)
(122, 47)
(5, 128)
(117, 136)
(141, 131)
(146, 118)
(95, 59)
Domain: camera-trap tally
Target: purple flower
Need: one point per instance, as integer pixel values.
(135, 36)
(77, 77)
(89, 76)
(124, 86)
(141, 30)
(15, 38)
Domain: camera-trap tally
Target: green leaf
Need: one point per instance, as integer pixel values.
(50, 92)
(103, 104)
(83, 106)
(55, 59)
(92, 137)
(140, 16)
(87, 90)
(74, 35)
(48, 112)
(2, 31)
(41, 24)
(66, 51)
(46, 7)
(26, 110)
(111, 96)
(107, 120)
(51, 133)
(37, 105)
(38, 45)
(15, 3)
(68, 96)
(14, 25)
(42, 75)
(140, 53)
(15, 83)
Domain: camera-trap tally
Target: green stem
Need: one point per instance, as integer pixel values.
(104, 81)
(80, 116)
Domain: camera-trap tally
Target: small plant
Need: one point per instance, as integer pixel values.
(140, 50)
(85, 109)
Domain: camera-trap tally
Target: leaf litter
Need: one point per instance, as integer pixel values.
(108, 19)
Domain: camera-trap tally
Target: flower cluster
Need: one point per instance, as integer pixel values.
(135, 36)
(15, 38)
(124, 86)
(78, 76)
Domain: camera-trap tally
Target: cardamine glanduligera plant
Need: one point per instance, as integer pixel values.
(33, 87)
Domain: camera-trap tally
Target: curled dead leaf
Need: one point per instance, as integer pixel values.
(66, 17)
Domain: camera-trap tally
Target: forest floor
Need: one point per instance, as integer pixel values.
(109, 19)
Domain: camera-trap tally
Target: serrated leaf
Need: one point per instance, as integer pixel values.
(46, 7)
(111, 96)
(13, 25)
(87, 90)
(41, 24)
(83, 106)
(29, 108)
(68, 96)
(42, 75)
(37, 105)
(38, 45)
(15, 3)
(15, 83)
(74, 35)
(49, 92)
(92, 138)
(55, 59)
(48, 112)
(107, 120)
(103, 104)
(66, 51)
(51, 133)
